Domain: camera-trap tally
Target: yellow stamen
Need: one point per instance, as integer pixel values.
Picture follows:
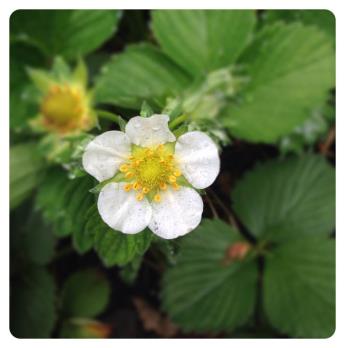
(175, 186)
(56, 89)
(177, 173)
(157, 198)
(136, 186)
(128, 187)
(146, 190)
(163, 186)
(140, 197)
(124, 168)
(129, 175)
(172, 179)
(149, 152)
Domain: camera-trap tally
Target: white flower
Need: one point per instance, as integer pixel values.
(152, 176)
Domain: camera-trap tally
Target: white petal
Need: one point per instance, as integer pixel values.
(104, 154)
(149, 131)
(121, 210)
(178, 213)
(198, 158)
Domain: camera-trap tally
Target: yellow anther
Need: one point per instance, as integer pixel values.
(146, 190)
(163, 186)
(56, 89)
(157, 198)
(177, 173)
(149, 152)
(124, 168)
(129, 175)
(78, 109)
(140, 196)
(136, 186)
(128, 187)
(172, 179)
(175, 186)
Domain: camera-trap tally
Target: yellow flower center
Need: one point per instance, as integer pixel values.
(151, 170)
(65, 108)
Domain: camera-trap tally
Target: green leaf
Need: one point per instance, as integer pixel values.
(69, 33)
(286, 199)
(299, 287)
(26, 168)
(203, 292)
(22, 106)
(140, 73)
(203, 40)
(85, 294)
(306, 135)
(31, 240)
(64, 202)
(113, 247)
(290, 70)
(32, 304)
(323, 19)
(84, 235)
(130, 271)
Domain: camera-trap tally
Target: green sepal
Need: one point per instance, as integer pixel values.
(80, 73)
(41, 79)
(61, 70)
(146, 110)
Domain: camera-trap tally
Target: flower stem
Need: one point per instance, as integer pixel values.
(107, 115)
(177, 121)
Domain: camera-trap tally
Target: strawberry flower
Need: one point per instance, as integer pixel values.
(149, 176)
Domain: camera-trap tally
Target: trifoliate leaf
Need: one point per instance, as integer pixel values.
(32, 304)
(290, 70)
(64, 202)
(286, 199)
(85, 294)
(201, 40)
(69, 33)
(206, 291)
(113, 247)
(26, 169)
(141, 73)
(299, 287)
